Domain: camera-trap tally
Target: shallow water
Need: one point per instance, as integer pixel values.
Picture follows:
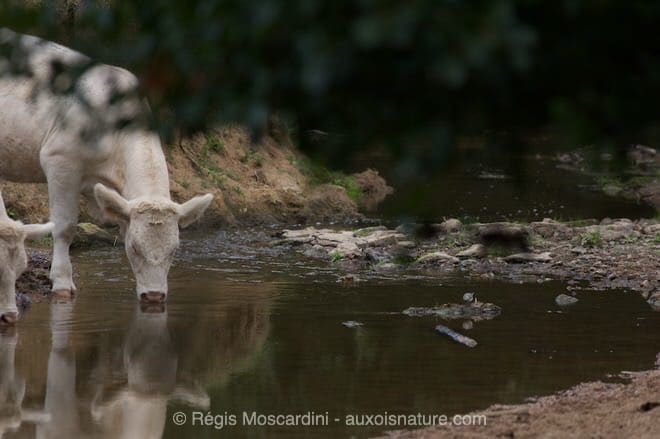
(250, 329)
(502, 185)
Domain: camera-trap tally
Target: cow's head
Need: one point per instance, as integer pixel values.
(13, 260)
(151, 238)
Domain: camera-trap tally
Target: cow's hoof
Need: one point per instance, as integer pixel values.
(9, 318)
(62, 294)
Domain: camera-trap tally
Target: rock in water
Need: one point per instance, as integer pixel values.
(564, 299)
(460, 338)
(352, 324)
(449, 311)
(654, 301)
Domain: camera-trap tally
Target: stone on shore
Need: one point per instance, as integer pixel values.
(451, 225)
(519, 258)
(474, 251)
(436, 257)
(549, 228)
(88, 235)
(347, 243)
(615, 230)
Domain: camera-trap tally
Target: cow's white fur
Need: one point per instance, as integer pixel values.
(13, 260)
(73, 143)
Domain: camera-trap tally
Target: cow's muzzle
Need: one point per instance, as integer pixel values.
(9, 318)
(153, 297)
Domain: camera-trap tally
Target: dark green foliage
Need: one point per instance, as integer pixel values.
(406, 75)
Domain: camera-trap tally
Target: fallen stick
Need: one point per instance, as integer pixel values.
(467, 341)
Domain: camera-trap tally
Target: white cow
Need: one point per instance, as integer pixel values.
(90, 142)
(13, 260)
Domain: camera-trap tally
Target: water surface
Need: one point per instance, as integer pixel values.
(500, 183)
(250, 328)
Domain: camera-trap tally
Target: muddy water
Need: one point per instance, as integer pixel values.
(249, 329)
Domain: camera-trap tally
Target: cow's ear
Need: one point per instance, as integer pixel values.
(192, 210)
(114, 206)
(37, 231)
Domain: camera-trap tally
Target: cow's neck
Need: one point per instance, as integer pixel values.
(145, 173)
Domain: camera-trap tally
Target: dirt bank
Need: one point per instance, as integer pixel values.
(596, 409)
(253, 183)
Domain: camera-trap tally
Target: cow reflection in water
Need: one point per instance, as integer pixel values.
(136, 408)
(140, 408)
(113, 384)
(12, 388)
(61, 401)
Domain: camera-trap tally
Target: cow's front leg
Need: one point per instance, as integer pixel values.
(63, 195)
(61, 270)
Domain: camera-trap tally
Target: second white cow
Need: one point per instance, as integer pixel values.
(13, 259)
(89, 142)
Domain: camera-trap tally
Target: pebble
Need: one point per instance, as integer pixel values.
(564, 299)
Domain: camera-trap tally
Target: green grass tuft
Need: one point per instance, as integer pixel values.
(336, 255)
(11, 213)
(318, 174)
(590, 239)
(213, 144)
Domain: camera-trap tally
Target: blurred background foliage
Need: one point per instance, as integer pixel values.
(405, 76)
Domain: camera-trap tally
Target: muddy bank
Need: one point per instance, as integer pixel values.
(33, 286)
(594, 409)
(588, 255)
(253, 183)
